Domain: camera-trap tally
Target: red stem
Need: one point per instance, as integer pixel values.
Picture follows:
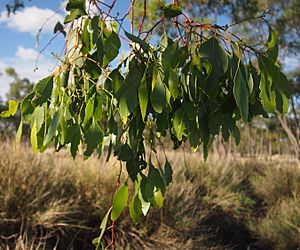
(143, 18)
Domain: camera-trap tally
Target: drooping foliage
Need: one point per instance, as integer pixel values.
(190, 87)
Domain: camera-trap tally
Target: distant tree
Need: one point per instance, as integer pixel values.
(284, 16)
(19, 88)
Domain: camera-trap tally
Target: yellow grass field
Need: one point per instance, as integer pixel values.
(49, 201)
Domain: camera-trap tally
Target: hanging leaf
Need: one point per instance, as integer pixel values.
(274, 86)
(19, 132)
(171, 10)
(212, 51)
(156, 179)
(241, 94)
(111, 47)
(33, 138)
(128, 103)
(168, 173)
(147, 189)
(43, 91)
(76, 8)
(75, 141)
(93, 137)
(135, 209)
(173, 83)
(143, 97)
(89, 110)
(59, 28)
(158, 96)
(53, 126)
(179, 123)
(158, 199)
(272, 45)
(145, 46)
(216, 55)
(119, 202)
(97, 241)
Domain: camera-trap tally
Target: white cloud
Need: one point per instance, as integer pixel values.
(31, 19)
(24, 62)
(26, 53)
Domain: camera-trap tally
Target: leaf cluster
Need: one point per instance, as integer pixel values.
(191, 90)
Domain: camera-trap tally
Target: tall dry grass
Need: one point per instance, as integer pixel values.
(50, 201)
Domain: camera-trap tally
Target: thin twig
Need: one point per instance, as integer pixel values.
(143, 18)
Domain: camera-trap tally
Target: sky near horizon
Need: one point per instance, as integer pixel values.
(18, 40)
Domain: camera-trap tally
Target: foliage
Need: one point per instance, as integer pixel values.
(191, 87)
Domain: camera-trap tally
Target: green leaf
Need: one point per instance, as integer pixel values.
(155, 177)
(212, 51)
(241, 94)
(38, 118)
(64, 77)
(59, 28)
(53, 127)
(124, 152)
(89, 110)
(273, 46)
(12, 109)
(145, 46)
(76, 8)
(159, 199)
(128, 103)
(93, 137)
(216, 55)
(119, 202)
(135, 209)
(168, 173)
(274, 86)
(76, 4)
(158, 96)
(178, 123)
(173, 83)
(111, 47)
(33, 138)
(147, 189)
(97, 241)
(75, 139)
(43, 85)
(19, 132)
(143, 97)
(145, 205)
(27, 107)
(98, 108)
(43, 91)
(171, 10)
(86, 37)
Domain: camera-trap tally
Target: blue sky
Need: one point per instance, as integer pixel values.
(18, 39)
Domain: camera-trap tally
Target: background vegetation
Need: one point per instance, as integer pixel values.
(226, 203)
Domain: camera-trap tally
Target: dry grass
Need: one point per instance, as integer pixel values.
(52, 202)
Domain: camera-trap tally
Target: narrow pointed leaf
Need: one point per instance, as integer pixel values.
(119, 202)
(53, 127)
